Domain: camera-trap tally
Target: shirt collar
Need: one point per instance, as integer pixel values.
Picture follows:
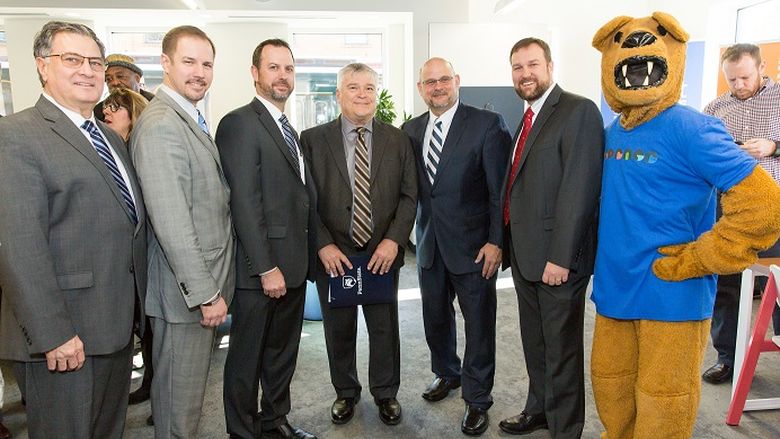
(185, 104)
(536, 106)
(446, 117)
(348, 127)
(276, 113)
(75, 117)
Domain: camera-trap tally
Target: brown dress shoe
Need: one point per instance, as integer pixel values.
(717, 374)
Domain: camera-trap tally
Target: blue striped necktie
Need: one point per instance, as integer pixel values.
(289, 139)
(434, 151)
(105, 154)
(202, 124)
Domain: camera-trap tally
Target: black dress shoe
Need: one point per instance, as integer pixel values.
(439, 388)
(389, 411)
(150, 420)
(717, 374)
(286, 431)
(4, 432)
(523, 423)
(140, 395)
(475, 421)
(343, 409)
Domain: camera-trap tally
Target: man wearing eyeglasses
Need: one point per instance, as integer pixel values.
(122, 72)
(461, 154)
(69, 299)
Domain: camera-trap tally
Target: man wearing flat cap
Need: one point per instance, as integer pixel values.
(122, 72)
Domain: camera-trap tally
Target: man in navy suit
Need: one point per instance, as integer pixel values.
(461, 154)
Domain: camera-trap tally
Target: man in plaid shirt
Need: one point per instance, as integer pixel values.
(751, 112)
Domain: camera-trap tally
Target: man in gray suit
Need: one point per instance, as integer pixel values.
(69, 299)
(361, 165)
(273, 202)
(192, 253)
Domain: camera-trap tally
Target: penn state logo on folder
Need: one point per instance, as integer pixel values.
(359, 286)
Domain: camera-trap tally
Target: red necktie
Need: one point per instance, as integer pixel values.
(527, 121)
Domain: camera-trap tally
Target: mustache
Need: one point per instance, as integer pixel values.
(197, 81)
(281, 82)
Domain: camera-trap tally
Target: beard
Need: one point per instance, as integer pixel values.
(536, 92)
(273, 93)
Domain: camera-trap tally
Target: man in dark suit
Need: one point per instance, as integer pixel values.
(69, 300)
(361, 165)
(461, 154)
(272, 201)
(550, 203)
(122, 72)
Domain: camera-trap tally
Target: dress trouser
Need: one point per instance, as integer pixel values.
(384, 351)
(182, 356)
(264, 339)
(477, 299)
(89, 403)
(551, 328)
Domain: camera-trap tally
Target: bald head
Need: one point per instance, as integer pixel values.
(438, 85)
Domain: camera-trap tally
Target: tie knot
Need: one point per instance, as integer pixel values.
(283, 119)
(529, 113)
(89, 126)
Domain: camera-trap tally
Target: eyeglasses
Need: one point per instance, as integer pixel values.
(112, 107)
(74, 61)
(444, 80)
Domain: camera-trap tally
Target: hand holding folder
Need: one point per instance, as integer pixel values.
(359, 286)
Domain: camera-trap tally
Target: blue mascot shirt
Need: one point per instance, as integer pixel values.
(658, 189)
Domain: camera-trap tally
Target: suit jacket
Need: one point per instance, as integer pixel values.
(393, 187)
(272, 208)
(192, 249)
(71, 260)
(554, 199)
(461, 211)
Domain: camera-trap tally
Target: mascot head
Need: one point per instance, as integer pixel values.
(642, 65)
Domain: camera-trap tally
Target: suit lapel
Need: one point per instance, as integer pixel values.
(67, 130)
(335, 141)
(547, 110)
(378, 146)
(204, 138)
(124, 157)
(417, 126)
(273, 129)
(457, 127)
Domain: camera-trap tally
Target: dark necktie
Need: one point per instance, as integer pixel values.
(361, 211)
(528, 118)
(105, 154)
(434, 151)
(289, 139)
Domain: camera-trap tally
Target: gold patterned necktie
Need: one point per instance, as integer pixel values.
(361, 210)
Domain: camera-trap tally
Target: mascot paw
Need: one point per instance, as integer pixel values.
(680, 263)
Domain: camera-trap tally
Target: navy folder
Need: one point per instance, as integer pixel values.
(359, 286)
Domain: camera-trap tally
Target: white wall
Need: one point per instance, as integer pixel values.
(233, 85)
(20, 33)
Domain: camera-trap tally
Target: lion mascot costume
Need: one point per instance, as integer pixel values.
(659, 245)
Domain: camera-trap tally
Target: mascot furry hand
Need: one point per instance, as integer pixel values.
(643, 61)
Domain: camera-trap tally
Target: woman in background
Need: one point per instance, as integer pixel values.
(121, 109)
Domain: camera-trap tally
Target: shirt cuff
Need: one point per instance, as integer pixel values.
(269, 271)
(213, 299)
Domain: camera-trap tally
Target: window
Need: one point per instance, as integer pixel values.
(318, 58)
(145, 47)
(6, 101)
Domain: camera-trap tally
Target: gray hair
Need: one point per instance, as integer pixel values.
(45, 37)
(353, 68)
